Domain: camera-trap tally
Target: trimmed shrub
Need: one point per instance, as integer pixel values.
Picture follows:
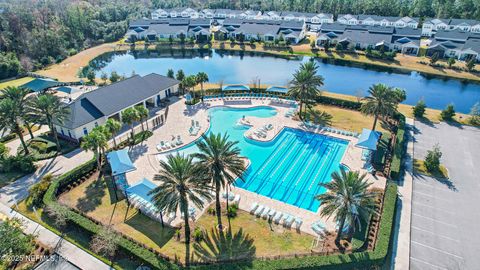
(448, 113)
(432, 161)
(398, 150)
(347, 104)
(37, 191)
(419, 109)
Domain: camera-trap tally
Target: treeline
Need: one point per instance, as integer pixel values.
(467, 9)
(35, 33)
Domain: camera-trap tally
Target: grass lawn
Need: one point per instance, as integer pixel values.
(7, 178)
(97, 199)
(16, 82)
(348, 119)
(419, 167)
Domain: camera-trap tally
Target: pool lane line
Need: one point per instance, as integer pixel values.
(279, 149)
(288, 185)
(318, 148)
(302, 187)
(337, 148)
(304, 137)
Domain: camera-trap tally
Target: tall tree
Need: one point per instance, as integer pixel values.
(221, 158)
(306, 84)
(188, 83)
(96, 141)
(113, 126)
(130, 116)
(382, 101)
(182, 182)
(50, 109)
(13, 109)
(201, 78)
(349, 199)
(142, 115)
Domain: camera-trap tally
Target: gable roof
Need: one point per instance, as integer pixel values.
(113, 98)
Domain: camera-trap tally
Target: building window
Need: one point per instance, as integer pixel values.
(96, 124)
(85, 131)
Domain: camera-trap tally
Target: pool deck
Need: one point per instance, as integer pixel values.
(180, 116)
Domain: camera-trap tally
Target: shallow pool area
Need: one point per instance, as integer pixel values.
(289, 168)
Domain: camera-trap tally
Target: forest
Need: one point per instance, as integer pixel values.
(36, 33)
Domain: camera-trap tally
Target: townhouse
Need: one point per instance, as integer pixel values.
(456, 43)
(93, 108)
(373, 20)
(404, 40)
(431, 26)
(265, 30)
(170, 27)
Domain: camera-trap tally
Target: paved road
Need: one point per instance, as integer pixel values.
(445, 232)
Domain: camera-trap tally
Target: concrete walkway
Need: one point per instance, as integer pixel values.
(15, 144)
(401, 242)
(69, 251)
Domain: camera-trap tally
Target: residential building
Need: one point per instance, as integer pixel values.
(170, 27)
(312, 20)
(404, 40)
(457, 43)
(93, 108)
(291, 31)
(373, 20)
(431, 26)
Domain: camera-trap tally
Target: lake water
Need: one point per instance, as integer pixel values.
(232, 68)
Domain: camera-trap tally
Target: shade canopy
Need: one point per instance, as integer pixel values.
(38, 84)
(368, 139)
(120, 162)
(277, 89)
(236, 87)
(142, 189)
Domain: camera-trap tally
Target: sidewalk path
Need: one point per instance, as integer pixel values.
(69, 251)
(18, 190)
(401, 239)
(15, 144)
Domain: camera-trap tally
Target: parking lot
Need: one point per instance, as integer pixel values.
(445, 230)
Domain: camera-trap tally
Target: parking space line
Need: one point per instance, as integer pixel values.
(427, 263)
(436, 208)
(429, 195)
(437, 235)
(438, 250)
(435, 220)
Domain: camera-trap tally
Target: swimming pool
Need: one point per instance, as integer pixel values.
(288, 168)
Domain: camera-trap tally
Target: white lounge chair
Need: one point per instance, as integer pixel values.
(236, 200)
(271, 213)
(298, 222)
(318, 227)
(259, 210)
(278, 217)
(265, 212)
(253, 207)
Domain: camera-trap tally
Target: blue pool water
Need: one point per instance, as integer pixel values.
(289, 168)
(350, 80)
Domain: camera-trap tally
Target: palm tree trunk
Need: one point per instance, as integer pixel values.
(301, 106)
(201, 85)
(114, 140)
(340, 230)
(29, 128)
(218, 207)
(18, 131)
(375, 121)
(187, 232)
(133, 134)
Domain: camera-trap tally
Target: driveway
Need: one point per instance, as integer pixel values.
(445, 232)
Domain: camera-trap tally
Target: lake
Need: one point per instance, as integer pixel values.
(239, 68)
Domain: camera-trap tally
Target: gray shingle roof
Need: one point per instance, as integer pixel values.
(463, 21)
(455, 35)
(365, 36)
(113, 98)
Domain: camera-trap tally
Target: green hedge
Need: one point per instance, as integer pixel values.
(361, 260)
(347, 104)
(399, 149)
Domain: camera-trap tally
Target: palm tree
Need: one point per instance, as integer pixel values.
(349, 199)
(142, 115)
(383, 101)
(113, 126)
(12, 111)
(306, 84)
(221, 158)
(50, 109)
(96, 141)
(201, 78)
(130, 116)
(181, 182)
(188, 83)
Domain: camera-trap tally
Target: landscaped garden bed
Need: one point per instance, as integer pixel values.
(44, 147)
